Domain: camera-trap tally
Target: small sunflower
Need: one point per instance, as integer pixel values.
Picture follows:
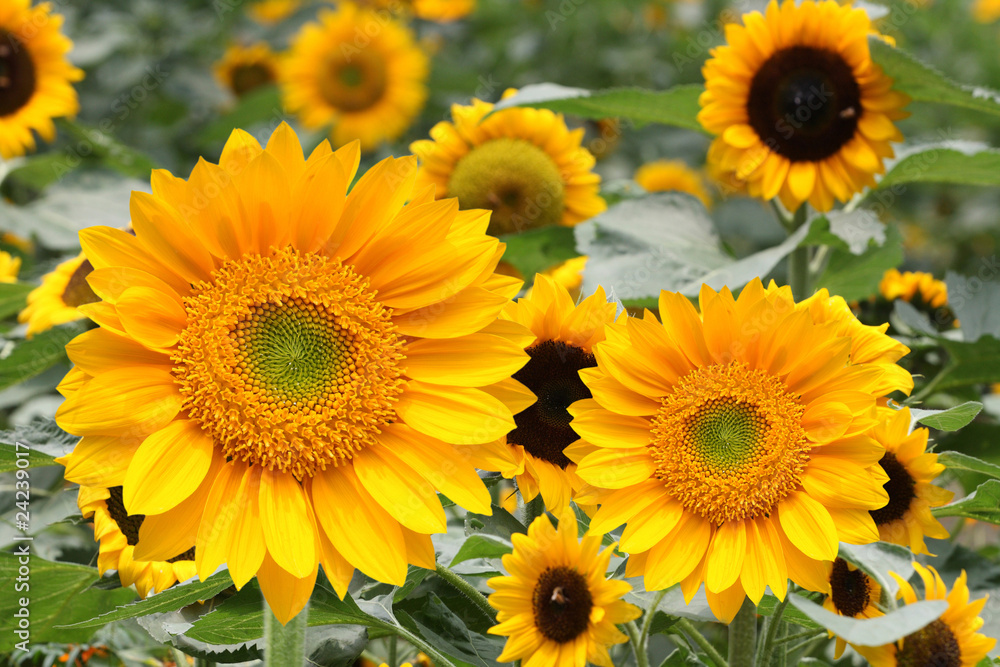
(280, 377)
(269, 12)
(733, 443)
(557, 606)
(986, 11)
(914, 286)
(440, 11)
(852, 593)
(10, 265)
(370, 89)
(800, 110)
(57, 300)
(569, 275)
(246, 68)
(950, 641)
(560, 346)
(36, 79)
(907, 518)
(118, 533)
(672, 176)
(525, 165)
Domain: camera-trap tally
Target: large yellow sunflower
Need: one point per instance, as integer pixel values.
(733, 443)
(57, 299)
(118, 532)
(368, 88)
(560, 343)
(907, 518)
(36, 79)
(283, 375)
(246, 68)
(523, 164)
(800, 110)
(914, 285)
(557, 606)
(851, 593)
(672, 176)
(950, 641)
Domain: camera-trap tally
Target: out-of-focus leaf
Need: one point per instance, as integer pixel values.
(258, 106)
(964, 163)
(960, 461)
(536, 250)
(983, 504)
(23, 359)
(874, 631)
(878, 559)
(951, 419)
(112, 153)
(976, 304)
(13, 297)
(971, 363)
(853, 231)
(857, 276)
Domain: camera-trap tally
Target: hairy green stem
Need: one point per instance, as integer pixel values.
(687, 627)
(285, 645)
(647, 622)
(393, 646)
(743, 635)
(798, 635)
(638, 645)
(764, 654)
(468, 590)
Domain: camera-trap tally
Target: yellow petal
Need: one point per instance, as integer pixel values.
(401, 492)
(230, 530)
(808, 526)
(468, 361)
(99, 460)
(459, 415)
(151, 317)
(168, 466)
(286, 594)
(286, 523)
(725, 556)
(131, 401)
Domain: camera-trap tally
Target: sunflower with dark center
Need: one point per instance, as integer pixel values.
(243, 69)
(279, 378)
(949, 641)
(36, 78)
(560, 349)
(799, 109)
(118, 533)
(370, 91)
(557, 606)
(59, 298)
(525, 165)
(732, 441)
(906, 519)
(851, 593)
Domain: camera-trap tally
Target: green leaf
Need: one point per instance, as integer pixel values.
(914, 319)
(856, 277)
(878, 560)
(111, 152)
(874, 631)
(13, 297)
(22, 359)
(852, 232)
(58, 593)
(971, 363)
(169, 600)
(964, 163)
(983, 504)
(768, 603)
(960, 461)
(258, 106)
(9, 457)
(44, 440)
(676, 106)
(976, 303)
(951, 419)
(36, 173)
(500, 524)
(537, 250)
(682, 657)
(925, 84)
(481, 546)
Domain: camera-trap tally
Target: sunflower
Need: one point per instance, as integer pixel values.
(118, 533)
(672, 176)
(732, 443)
(913, 286)
(269, 12)
(57, 300)
(986, 11)
(800, 110)
(35, 76)
(523, 164)
(907, 518)
(9, 267)
(557, 607)
(569, 274)
(560, 345)
(246, 68)
(851, 593)
(369, 89)
(950, 641)
(281, 378)
(441, 11)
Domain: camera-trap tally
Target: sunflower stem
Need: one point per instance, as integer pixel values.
(687, 627)
(647, 622)
(285, 645)
(773, 625)
(468, 590)
(743, 635)
(393, 645)
(798, 260)
(638, 644)
(798, 635)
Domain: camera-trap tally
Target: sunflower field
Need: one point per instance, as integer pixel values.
(461, 333)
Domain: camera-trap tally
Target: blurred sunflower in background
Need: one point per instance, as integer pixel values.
(246, 68)
(58, 299)
(369, 88)
(557, 606)
(852, 593)
(732, 443)
(284, 374)
(915, 287)
(10, 266)
(986, 11)
(524, 165)
(36, 79)
(269, 12)
(949, 641)
(800, 110)
(441, 11)
(672, 176)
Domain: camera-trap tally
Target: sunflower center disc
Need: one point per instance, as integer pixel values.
(562, 604)
(729, 442)
(129, 524)
(250, 77)
(849, 588)
(353, 82)
(17, 74)
(933, 645)
(804, 103)
(78, 292)
(289, 361)
(515, 179)
(900, 487)
(552, 374)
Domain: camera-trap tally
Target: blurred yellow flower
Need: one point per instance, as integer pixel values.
(672, 176)
(57, 299)
(907, 286)
(9, 267)
(246, 68)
